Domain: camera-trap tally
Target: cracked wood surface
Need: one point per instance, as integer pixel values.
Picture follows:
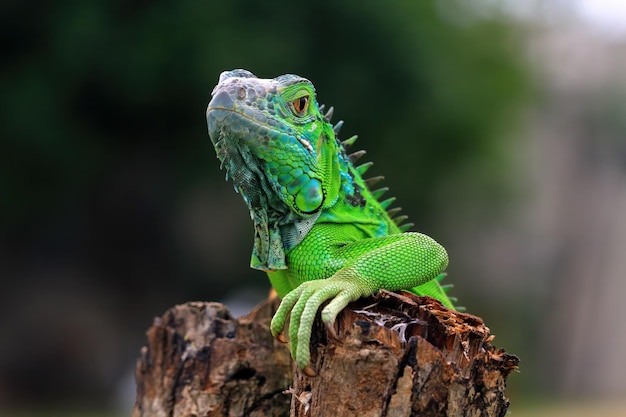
(397, 354)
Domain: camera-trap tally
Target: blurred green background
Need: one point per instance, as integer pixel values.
(499, 137)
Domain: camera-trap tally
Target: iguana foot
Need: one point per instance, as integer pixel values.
(302, 305)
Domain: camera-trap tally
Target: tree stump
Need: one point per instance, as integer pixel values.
(396, 354)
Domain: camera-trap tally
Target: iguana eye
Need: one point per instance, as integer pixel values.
(300, 106)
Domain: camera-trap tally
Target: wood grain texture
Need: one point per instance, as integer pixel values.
(396, 354)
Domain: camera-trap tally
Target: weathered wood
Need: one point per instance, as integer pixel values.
(395, 355)
(200, 361)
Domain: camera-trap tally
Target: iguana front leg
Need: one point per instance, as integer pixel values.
(393, 262)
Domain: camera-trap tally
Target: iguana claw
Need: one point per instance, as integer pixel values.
(330, 329)
(309, 371)
(281, 338)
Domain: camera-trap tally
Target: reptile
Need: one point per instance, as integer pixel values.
(322, 232)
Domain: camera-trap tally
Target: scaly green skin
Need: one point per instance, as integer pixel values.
(320, 233)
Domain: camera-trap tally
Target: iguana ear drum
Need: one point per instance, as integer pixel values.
(310, 197)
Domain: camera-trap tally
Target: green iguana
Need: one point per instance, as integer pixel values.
(321, 233)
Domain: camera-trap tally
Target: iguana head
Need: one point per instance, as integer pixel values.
(280, 152)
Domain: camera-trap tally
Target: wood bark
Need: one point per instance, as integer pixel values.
(396, 354)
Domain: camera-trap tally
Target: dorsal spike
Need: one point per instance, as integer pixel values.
(337, 127)
(362, 169)
(350, 141)
(441, 276)
(400, 219)
(386, 203)
(356, 155)
(379, 193)
(329, 114)
(370, 182)
(322, 107)
(406, 226)
(392, 212)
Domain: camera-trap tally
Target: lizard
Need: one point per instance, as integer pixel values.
(322, 233)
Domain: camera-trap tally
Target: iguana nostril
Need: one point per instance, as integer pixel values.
(221, 101)
(241, 94)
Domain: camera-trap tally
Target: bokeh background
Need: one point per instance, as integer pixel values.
(500, 126)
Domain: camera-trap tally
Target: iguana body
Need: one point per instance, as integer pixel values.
(320, 233)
